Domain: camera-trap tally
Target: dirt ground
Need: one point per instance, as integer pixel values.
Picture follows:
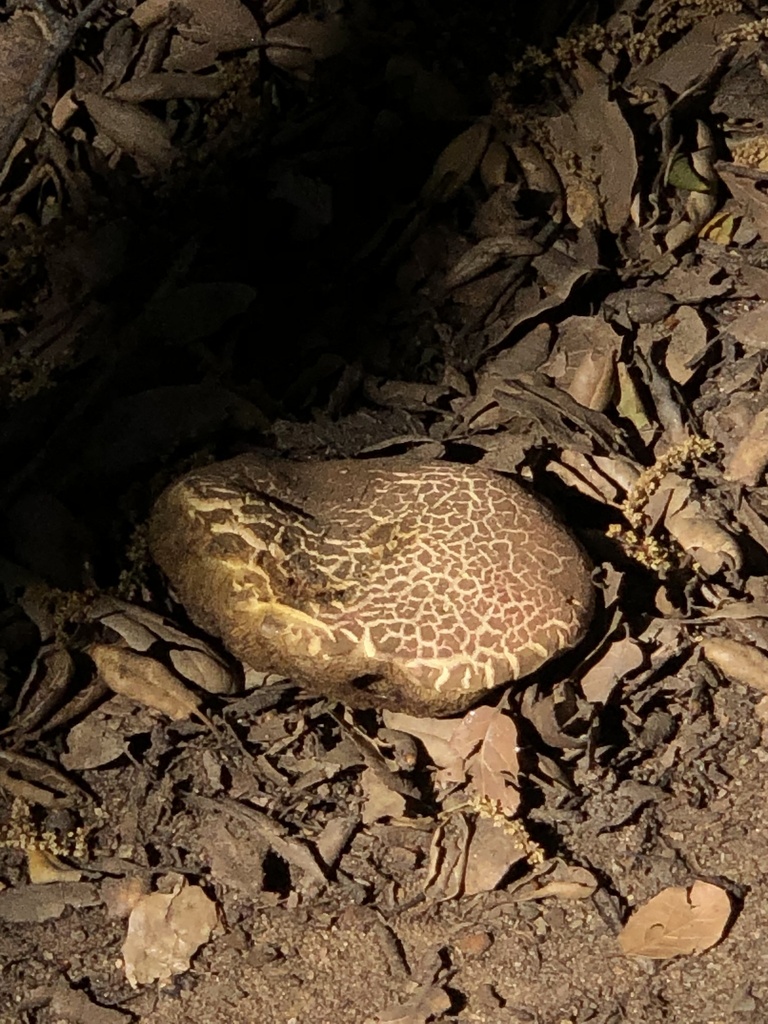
(326, 230)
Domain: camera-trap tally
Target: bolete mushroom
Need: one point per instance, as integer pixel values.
(411, 586)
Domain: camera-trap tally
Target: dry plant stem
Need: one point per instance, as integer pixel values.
(63, 32)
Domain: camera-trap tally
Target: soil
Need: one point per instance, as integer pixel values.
(414, 240)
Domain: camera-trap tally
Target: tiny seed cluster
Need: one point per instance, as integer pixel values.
(669, 18)
(658, 555)
(21, 832)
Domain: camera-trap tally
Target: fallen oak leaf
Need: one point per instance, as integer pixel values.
(486, 740)
(677, 922)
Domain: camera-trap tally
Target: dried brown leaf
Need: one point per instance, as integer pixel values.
(746, 189)
(595, 129)
(138, 133)
(749, 329)
(687, 341)
(493, 850)
(457, 163)
(428, 1002)
(380, 800)
(738, 662)
(144, 680)
(677, 922)
(747, 463)
(712, 546)
(486, 741)
(164, 930)
(169, 86)
(434, 733)
(102, 736)
(622, 657)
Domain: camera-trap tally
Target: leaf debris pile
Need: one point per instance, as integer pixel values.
(307, 229)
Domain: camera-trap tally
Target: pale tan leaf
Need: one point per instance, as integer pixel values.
(135, 131)
(738, 662)
(380, 800)
(493, 850)
(687, 341)
(677, 922)
(44, 868)
(746, 464)
(144, 680)
(164, 930)
(622, 657)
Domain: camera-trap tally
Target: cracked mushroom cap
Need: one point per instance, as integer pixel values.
(411, 586)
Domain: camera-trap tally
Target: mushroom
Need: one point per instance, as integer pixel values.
(380, 582)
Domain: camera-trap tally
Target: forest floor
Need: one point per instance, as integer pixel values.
(327, 231)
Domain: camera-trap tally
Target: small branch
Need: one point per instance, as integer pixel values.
(62, 35)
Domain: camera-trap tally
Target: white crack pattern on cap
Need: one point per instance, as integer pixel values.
(410, 585)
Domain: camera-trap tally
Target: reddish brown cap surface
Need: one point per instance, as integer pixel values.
(413, 586)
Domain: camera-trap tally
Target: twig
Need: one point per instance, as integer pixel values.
(62, 35)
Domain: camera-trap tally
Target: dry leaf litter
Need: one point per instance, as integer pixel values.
(509, 240)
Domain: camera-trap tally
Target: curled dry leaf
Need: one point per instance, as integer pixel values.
(583, 360)
(712, 546)
(144, 680)
(488, 253)
(556, 879)
(469, 855)
(164, 930)
(737, 661)
(677, 922)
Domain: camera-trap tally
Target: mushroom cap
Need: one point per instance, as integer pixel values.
(381, 582)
